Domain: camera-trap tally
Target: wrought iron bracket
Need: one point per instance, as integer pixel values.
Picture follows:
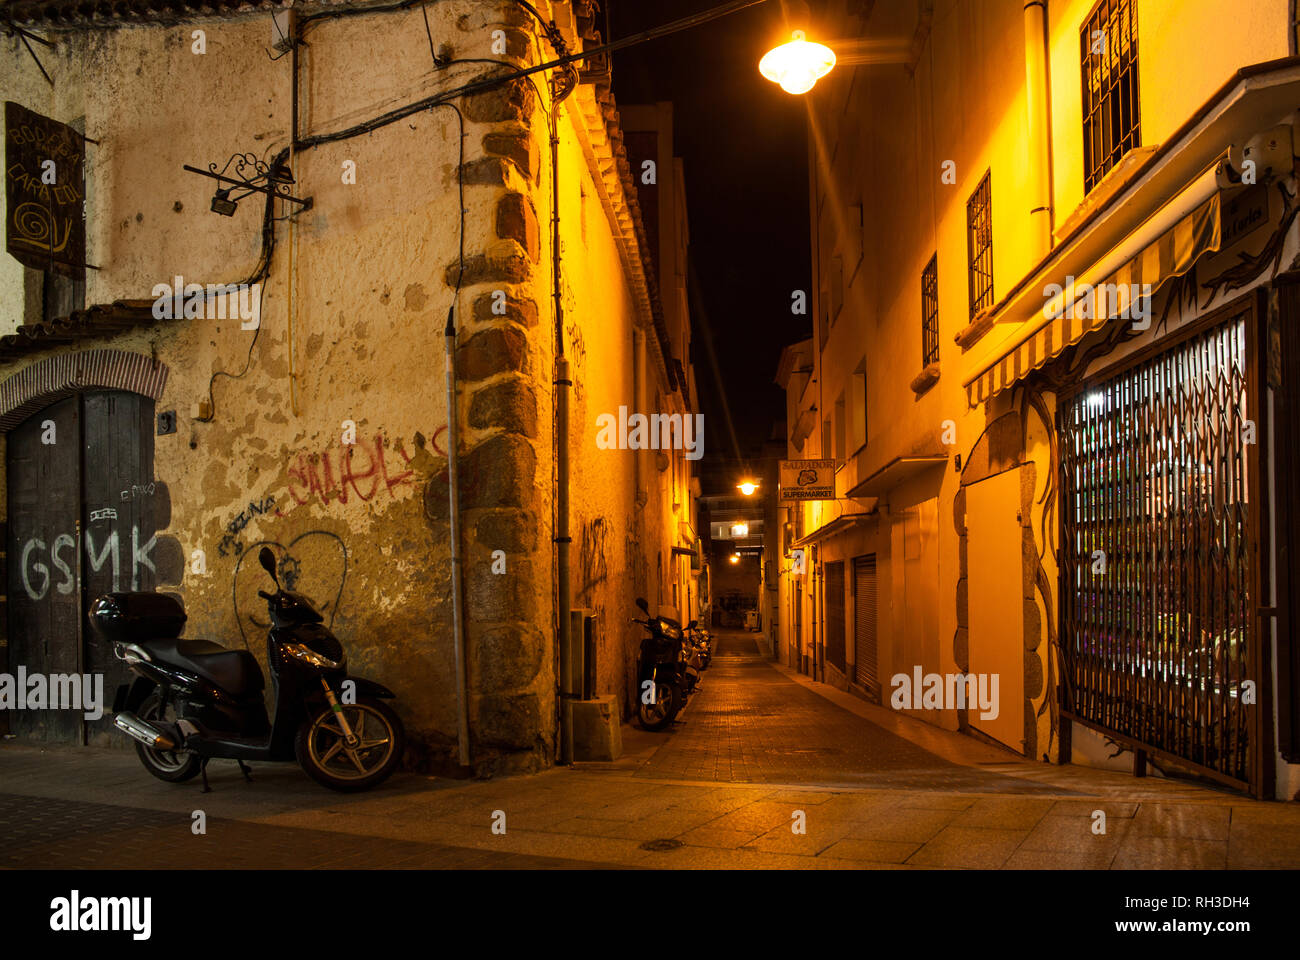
(244, 171)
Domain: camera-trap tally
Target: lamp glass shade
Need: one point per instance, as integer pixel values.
(797, 65)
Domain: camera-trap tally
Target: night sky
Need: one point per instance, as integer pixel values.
(743, 145)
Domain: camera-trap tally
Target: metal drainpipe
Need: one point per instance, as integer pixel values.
(453, 496)
(562, 384)
(1037, 106)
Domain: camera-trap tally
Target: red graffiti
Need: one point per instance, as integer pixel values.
(358, 467)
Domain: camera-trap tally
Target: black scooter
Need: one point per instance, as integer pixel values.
(664, 677)
(193, 700)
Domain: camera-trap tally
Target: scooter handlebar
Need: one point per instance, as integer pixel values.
(265, 596)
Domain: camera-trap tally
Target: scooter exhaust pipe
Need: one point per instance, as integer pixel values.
(138, 729)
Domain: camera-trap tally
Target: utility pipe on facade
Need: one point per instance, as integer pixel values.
(564, 599)
(453, 496)
(1039, 153)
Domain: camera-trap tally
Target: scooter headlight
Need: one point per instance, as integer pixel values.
(309, 656)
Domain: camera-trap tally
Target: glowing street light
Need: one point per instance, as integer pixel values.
(740, 529)
(735, 558)
(747, 487)
(797, 65)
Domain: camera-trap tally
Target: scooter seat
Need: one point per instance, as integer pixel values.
(234, 671)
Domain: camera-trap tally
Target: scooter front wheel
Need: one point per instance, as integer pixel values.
(327, 757)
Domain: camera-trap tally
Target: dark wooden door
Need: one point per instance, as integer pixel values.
(82, 522)
(43, 465)
(117, 520)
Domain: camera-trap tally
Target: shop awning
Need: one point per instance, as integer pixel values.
(838, 525)
(1170, 255)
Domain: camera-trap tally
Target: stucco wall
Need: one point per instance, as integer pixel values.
(352, 330)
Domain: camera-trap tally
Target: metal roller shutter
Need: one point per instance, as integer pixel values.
(864, 620)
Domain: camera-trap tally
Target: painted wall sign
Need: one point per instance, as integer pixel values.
(44, 190)
(1243, 213)
(807, 480)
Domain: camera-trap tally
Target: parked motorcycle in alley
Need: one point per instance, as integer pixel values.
(665, 677)
(194, 700)
(702, 641)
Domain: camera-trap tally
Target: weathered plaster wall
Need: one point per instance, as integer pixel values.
(352, 321)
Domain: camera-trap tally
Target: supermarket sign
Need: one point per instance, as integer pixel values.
(807, 480)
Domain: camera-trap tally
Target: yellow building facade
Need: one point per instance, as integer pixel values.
(1079, 498)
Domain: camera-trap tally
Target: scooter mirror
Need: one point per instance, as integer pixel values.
(267, 559)
(645, 607)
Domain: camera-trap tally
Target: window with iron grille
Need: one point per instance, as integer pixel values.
(1111, 123)
(979, 246)
(930, 312)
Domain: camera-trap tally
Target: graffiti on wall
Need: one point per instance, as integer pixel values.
(361, 470)
(593, 569)
(314, 563)
(230, 543)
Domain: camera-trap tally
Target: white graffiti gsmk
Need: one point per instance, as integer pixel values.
(35, 550)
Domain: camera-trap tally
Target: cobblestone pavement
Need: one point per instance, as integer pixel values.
(930, 800)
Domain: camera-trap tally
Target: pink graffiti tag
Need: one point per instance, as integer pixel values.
(313, 475)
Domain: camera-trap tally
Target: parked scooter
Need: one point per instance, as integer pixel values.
(193, 700)
(702, 641)
(665, 678)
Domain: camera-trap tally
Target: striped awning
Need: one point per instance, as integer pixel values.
(1171, 255)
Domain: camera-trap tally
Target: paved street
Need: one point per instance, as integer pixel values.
(759, 751)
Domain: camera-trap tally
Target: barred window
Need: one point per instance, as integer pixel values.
(930, 312)
(1108, 51)
(979, 246)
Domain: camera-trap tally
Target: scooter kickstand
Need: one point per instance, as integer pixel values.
(203, 769)
(246, 771)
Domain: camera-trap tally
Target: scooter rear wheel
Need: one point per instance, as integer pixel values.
(174, 766)
(324, 755)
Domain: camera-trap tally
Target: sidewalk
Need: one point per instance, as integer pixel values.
(924, 801)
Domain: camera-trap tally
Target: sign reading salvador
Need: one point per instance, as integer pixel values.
(807, 480)
(44, 189)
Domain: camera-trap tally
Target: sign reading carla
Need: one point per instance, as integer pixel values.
(807, 480)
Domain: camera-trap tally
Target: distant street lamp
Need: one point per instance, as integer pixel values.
(735, 558)
(740, 529)
(747, 487)
(797, 65)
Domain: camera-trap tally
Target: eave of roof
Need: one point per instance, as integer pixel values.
(98, 321)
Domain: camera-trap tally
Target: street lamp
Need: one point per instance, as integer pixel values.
(747, 487)
(797, 65)
(735, 558)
